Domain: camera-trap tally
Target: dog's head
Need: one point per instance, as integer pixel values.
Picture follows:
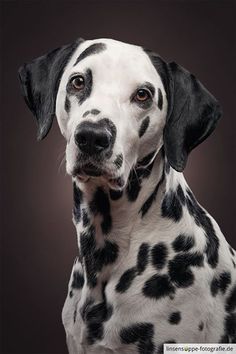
(115, 104)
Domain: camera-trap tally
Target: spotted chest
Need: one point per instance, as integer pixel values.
(152, 297)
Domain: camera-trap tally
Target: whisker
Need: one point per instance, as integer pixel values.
(63, 160)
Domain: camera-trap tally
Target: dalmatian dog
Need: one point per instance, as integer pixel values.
(153, 266)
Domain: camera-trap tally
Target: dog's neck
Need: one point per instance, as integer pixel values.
(105, 219)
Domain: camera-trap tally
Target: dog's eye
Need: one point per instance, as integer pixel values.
(78, 82)
(142, 95)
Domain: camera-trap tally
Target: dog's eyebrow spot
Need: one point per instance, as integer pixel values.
(160, 100)
(85, 114)
(92, 49)
(95, 111)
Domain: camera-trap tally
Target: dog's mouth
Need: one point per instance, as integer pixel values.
(89, 170)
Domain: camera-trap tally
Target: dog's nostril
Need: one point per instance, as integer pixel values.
(82, 140)
(102, 141)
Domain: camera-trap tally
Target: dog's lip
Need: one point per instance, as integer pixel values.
(89, 170)
(86, 172)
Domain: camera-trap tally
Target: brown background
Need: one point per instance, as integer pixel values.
(38, 238)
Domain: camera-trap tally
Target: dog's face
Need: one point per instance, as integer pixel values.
(111, 108)
(115, 104)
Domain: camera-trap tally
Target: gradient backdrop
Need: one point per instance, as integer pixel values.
(38, 238)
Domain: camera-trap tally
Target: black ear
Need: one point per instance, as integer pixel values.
(192, 115)
(40, 81)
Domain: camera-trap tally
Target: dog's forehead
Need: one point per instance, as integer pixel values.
(108, 58)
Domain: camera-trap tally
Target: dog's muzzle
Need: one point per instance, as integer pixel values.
(95, 141)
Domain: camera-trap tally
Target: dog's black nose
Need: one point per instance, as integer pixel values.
(93, 138)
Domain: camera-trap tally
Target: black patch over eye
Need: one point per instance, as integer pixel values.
(77, 82)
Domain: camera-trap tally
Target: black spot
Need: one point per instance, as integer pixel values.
(179, 271)
(234, 264)
(71, 294)
(95, 111)
(100, 312)
(158, 286)
(87, 241)
(78, 280)
(115, 195)
(148, 203)
(95, 315)
(126, 280)
(201, 219)
(142, 259)
(85, 308)
(96, 259)
(159, 255)
(180, 194)
(136, 176)
(201, 326)
(171, 207)
(87, 246)
(134, 186)
(220, 283)
(74, 315)
(118, 161)
(92, 49)
(160, 99)
(77, 201)
(231, 250)
(230, 327)
(95, 332)
(183, 243)
(231, 300)
(67, 104)
(85, 218)
(144, 126)
(106, 255)
(86, 114)
(140, 333)
(100, 204)
(175, 317)
(214, 287)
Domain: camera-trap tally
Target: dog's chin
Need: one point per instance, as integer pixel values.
(92, 173)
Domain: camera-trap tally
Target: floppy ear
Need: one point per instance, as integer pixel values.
(40, 81)
(192, 115)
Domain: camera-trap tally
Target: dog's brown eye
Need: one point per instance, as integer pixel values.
(78, 82)
(142, 95)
